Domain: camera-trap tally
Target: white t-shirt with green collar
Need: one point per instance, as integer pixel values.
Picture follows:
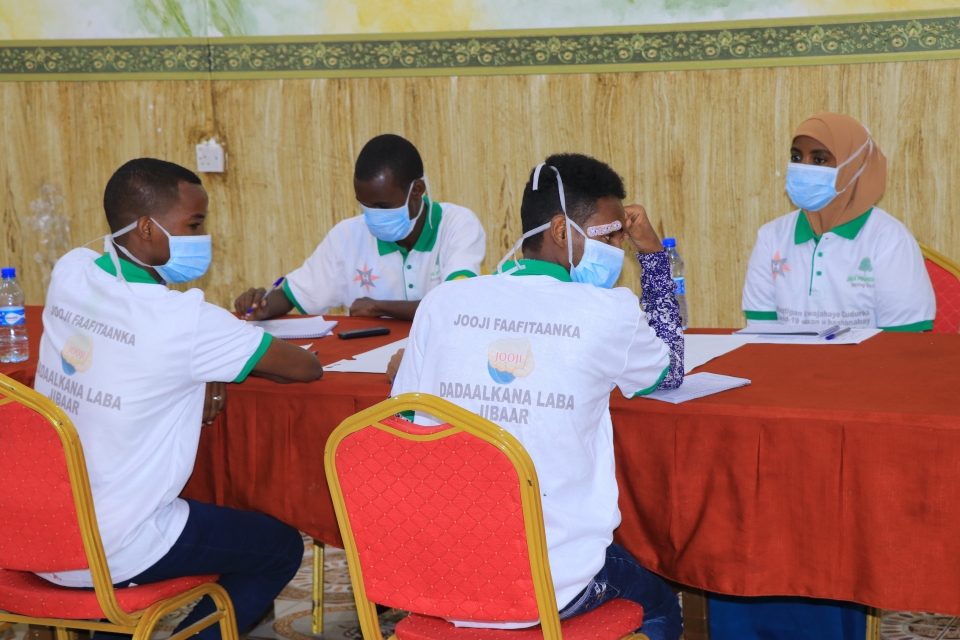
(128, 362)
(539, 356)
(868, 272)
(351, 263)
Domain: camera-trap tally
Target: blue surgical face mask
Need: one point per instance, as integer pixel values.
(391, 225)
(600, 264)
(812, 187)
(190, 256)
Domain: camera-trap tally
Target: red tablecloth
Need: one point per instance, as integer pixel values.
(836, 474)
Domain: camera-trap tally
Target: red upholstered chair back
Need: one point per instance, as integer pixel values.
(946, 288)
(39, 529)
(443, 521)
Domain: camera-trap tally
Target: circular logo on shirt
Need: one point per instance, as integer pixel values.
(77, 354)
(509, 359)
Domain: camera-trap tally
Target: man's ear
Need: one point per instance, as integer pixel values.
(558, 230)
(145, 228)
(419, 188)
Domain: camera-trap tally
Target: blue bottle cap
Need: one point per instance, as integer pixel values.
(669, 242)
(8, 272)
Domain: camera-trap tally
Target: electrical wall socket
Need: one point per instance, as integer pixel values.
(210, 157)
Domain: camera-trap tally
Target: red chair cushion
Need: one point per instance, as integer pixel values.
(610, 621)
(30, 595)
(39, 530)
(946, 288)
(438, 524)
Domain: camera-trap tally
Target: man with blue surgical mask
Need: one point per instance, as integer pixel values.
(139, 368)
(383, 262)
(538, 346)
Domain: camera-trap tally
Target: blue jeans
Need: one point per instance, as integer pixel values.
(255, 555)
(623, 577)
(785, 618)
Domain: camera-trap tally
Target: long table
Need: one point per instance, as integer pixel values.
(836, 474)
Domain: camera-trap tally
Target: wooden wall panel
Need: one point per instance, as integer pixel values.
(705, 151)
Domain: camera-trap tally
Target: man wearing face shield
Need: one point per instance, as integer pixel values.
(138, 368)
(383, 262)
(537, 348)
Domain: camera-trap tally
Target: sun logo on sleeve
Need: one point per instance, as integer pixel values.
(779, 265)
(365, 277)
(509, 359)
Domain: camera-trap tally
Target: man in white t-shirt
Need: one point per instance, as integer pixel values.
(138, 367)
(383, 262)
(538, 347)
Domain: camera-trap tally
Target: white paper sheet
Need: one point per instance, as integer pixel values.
(698, 385)
(700, 348)
(373, 361)
(297, 328)
(854, 336)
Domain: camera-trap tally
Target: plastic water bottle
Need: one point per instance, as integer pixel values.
(13, 328)
(676, 272)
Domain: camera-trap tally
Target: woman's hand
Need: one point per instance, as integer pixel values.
(214, 401)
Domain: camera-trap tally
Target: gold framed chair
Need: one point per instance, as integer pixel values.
(446, 522)
(48, 524)
(945, 278)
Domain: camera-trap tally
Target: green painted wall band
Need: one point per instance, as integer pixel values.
(814, 41)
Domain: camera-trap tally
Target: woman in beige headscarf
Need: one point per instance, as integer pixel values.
(838, 260)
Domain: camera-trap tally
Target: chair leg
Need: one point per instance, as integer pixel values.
(874, 617)
(636, 636)
(62, 633)
(316, 623)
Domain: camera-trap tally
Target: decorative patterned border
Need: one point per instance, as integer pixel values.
(841, 40)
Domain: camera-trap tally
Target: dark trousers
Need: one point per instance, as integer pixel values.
(623, 577)
(255, 555)
(785, 618)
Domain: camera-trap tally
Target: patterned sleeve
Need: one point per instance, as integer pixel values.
(663, 312)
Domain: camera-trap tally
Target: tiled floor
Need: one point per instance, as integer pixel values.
(290, 619)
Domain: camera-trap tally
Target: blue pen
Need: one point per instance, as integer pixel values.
(838, 333)
(269, 291)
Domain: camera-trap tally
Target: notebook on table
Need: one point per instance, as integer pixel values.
(698, 385)
(297, 328)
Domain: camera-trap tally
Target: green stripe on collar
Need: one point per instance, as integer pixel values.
(130, 271)
(847, 230)
(428, 235)
(537, 268)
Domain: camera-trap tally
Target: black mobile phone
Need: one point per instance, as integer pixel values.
(364, 333)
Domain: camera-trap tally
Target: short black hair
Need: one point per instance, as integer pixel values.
(585, 180)
(145, 186)
(389, 152)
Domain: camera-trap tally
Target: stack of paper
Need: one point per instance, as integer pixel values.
(698, 385)
(297, 328)
(793, 334)
(374, 361)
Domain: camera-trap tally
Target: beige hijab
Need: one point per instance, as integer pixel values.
(843, 136)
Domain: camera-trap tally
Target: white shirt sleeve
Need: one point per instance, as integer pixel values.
(904, 294)
(411, 366)
(224, 348)
(463, 244)
(647, 361)
(318, 284)
(759, 292)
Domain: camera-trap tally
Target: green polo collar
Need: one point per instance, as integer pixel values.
(428, 235)
(848, 230)
(130, 271)
(538, 268)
